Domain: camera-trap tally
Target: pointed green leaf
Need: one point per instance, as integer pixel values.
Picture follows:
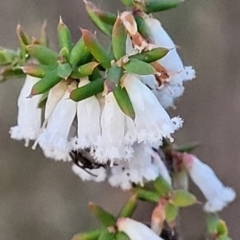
(4, 60)
(84, 70)
(119, 36)
(95, 75)
(64, 36)
(87, 91)
(224, 238)
(91, 235)
(162, 186)
(96, 49)
(124, 101)
(63, 55)
(187, 147)
(23, 41)
(182, 198)
(44, 55)
(43, 35)
(127, 3)
(171, 212)
(122, 236)
(102, 215)
(222, 228)
(106, 235)
(64, 70)
(142, 27)
(146, 195)
(113, 77)
(212, 222)
(93, 14)
(80, 53)
(46, 83)
(129, 207)
(151, 56)
(35, 70)
(157, 6)
(138, 67)
(106, 17)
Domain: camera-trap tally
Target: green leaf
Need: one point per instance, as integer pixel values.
(43, 35)
(138, 67)
(114, 75)
(122, 236)
(182, 198)
(162, 186)
(187, 147)
(64, 70)
(127, 3)
(171, 212)
(46, 83)
(142, 27)
(102, 215)
(224, 238)
(91, 235)
(4, 60)
(23, 41)
(64, 36)
(146, 195)
(157, 6)
(35, 70)
(44, 55)
(93, 13)
(151, 56)
(106, 235)
(129, 207)
(212, 222)
(96, 49)
(80, 53)
(222, 228)
(63, 55)
(119, 36)
(87, 91)
(124, 101)
(84, 70)
(8, 56)
(9, 72)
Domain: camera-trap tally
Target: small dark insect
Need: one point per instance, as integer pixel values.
(85, 161)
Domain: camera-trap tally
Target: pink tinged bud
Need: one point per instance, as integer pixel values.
(152, 122)
(111, 144)
(129, 22)
(55, 138)
(96, 175)
(158, 218)
(29, 115)
(88, 118)
(217, 195)
(136, 230)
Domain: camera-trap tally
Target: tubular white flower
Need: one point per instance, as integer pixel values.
(203, 176)
(88, 117)
(111, 144)
(55, 138)
(29, 115)
(136, 230)
(97, 175)
(151, 122)
(145, 165)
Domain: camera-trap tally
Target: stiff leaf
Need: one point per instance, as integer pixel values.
(64, 70)
(162, 186)
(182, 198)
(84, 70)
(129, 207)
(91, 235)
(64, 36)
(171, 212)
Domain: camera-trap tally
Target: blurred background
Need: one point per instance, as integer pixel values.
(41, 199)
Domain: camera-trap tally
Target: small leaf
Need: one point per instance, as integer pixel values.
(146, 195)
(151, 56)
(80, 53)
(96, 49)
(44, 55)
(35, 70)
(162, 186)
(46, 83)
(187, 147)
(87, 91)
(142, 27)
(222, 228)
(171, 212)
(122, 236)
(212, 222)
(138, 67)
(106, 235)
(23, 41)
(94, 16)
(129, 207)
(91, 235)
(43, 35)
(64, 36)
(64, 70)
(157, 6)
(113, 78)
(182, 198)
(127, 3)
(84, 70)
(119, 36)
(124, 101)
(102, 215)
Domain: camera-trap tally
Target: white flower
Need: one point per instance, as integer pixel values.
(145, 165)
(55, 138)
(88, 118)
(136, 230)
(151, 123)
(203, 176)
(29, 115)
(96, 175)
(111, 144)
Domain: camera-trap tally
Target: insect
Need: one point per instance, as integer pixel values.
(85, 161)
